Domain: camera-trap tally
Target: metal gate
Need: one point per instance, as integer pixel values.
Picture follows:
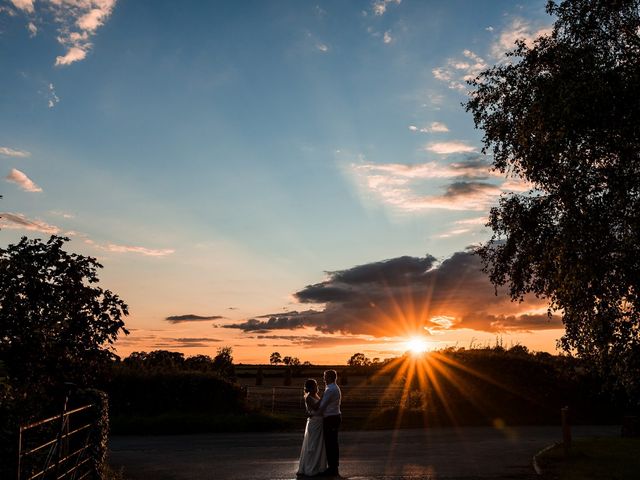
(58, 447)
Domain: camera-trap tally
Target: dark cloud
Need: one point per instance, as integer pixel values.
(406, 295)
(468, 189)
(289, 321)
(190, 317)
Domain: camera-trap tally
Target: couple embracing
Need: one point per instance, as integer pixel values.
(320, 453)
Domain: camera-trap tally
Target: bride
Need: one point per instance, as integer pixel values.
(313, 459)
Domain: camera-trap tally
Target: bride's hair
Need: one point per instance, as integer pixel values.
(310, 386)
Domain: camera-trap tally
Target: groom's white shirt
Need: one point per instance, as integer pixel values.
(330, 402)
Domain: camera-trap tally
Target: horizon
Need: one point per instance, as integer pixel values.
(296, 177)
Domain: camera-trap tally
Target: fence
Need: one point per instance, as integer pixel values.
(359, 401)
(57, 448)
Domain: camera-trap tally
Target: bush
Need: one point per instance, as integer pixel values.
(136, 392)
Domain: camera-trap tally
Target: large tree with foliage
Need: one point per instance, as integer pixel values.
(564, 115)
(56, 325)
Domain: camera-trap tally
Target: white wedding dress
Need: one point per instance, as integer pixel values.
(313, 458)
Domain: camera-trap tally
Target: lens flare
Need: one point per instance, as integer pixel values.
(417, 345)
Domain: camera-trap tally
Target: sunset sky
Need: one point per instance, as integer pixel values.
(283, 176)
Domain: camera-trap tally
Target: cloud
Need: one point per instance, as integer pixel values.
(407, 295)
(447, 148)
(379, 7)
(74, 54)
(24, 182)
(289, 321)
(10, 152)
(190, 317)
(518, 29)
(77, 22)
(434, 127)
(17, 221)
(322, 47)
(149, 252)
(457, 71)
(24, 5)
(473, 167)
(53, 99)
(33, 30)
(471, 184)
(387, 38)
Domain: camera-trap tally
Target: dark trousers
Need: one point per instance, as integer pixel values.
(331, 425)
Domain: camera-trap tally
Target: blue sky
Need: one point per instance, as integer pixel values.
(218, 157)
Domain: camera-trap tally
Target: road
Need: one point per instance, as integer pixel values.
(440, 453)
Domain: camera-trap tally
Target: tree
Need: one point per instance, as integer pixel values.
(291, 361)
(223, 363)
(358, 360)
(564, 115)
(275, 358)
(56, 325)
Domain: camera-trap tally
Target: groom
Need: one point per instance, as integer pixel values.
(330, 408)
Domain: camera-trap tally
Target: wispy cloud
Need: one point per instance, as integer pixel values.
(10, 152)
(21, 179)
(434, 127)
(190, 317)
(148, 252)
(518, 29)
(77, 22)
(379, 7)
(470, 184)
(322, 47)
(387, 38)
(53, 99)
(17, 221)
(33, 30)
(457, 71)
(446, 148)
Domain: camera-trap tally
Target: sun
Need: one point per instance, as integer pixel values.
(417, 345)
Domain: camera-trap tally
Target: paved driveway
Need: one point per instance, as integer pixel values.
(439, 453)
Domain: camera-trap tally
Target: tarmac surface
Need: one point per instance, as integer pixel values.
(463, 453)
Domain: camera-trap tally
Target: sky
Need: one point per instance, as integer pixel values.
(292, 176)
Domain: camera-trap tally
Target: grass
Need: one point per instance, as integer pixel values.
(174, 423)
(597, 458)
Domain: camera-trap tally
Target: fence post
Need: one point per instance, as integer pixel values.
(19, 449)
(566, 431)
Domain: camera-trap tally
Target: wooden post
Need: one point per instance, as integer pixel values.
(566, 431)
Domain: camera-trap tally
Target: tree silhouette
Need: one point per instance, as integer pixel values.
(564, 115)
(56, 325)
(223, 363)
(275, 358)
(358, 360)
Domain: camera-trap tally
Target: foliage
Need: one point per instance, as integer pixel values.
(166, 361)
(275, 358)
(358, 360)
(223, 363)
(291, 361)
(564, 115)
(55, 324)
(135, 391)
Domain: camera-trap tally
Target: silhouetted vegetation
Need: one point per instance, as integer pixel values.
(563, 114)
(57, 329)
